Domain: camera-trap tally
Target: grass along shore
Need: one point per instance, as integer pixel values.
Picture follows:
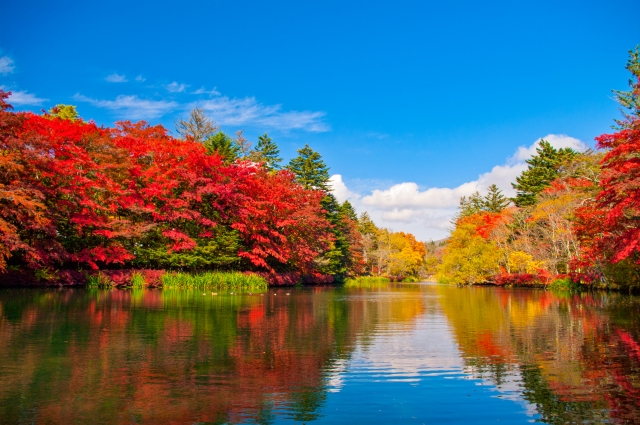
(178, 280)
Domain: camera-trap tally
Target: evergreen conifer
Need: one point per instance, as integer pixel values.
(267, 152)
(310, 170)
(543, 169)
(224, 145)
(494, 200)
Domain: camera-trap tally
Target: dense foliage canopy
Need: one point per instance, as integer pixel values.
(75, 195)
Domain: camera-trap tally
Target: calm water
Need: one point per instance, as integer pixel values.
(385, 354)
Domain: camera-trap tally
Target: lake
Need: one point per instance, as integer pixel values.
(387, 353)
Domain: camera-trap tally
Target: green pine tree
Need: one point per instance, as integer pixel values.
(224, 145)
(267, 152)
(337, 259)
(543, 169)
(494, 200)
(348, 211)
(630, 99)
(366, 226)
(310, 170)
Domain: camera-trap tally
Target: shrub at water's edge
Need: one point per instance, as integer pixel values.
(565, 284)
(411, 279)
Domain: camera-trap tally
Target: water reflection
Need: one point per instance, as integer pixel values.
(574, 357)
(409, 353)
(177, 356)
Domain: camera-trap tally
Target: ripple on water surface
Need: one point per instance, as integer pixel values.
(389, 353)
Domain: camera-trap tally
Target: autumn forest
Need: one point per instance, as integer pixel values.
(574, 221)
(78, 199)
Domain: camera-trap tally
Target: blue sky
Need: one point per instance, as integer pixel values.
(425, 94)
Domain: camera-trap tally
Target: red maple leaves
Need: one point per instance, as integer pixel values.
(75, 193)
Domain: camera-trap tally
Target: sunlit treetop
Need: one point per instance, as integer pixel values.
(348, 211)
(65, 112)
(494, 200)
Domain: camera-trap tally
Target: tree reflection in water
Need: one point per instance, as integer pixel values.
(576, 356)
(176, 356)
(154, 356)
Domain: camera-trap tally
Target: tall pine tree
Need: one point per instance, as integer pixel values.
(224, 146)
(310, 170)
(630, 99)
(543, 169)
(267, 152)
(494, 200)
(337, 259)
(366, 226)
(348, 211)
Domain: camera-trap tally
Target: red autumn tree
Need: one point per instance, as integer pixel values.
(71, 168)
(176, 193)
(610, 226)
(620, 195)
(193, 196)
(21, 205)
(279, 220)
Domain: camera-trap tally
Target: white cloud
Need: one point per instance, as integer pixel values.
(247, 111)
(428, 213)
(340, 190)
(176, 88)
(405, 215)
(132, 107)
(23, 98)
(140, 78)
(408, 194)
(202, 90)
(6, 65)
(224, 110)
(116, 78)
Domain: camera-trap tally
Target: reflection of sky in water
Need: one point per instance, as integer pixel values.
(422, 357)
(379, 354)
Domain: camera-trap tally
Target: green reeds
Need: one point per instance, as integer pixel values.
(411, 279)
(99, 281)
(137, 280)
(218, 280)
(365, 281)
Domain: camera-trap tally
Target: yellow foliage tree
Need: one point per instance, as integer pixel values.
(468, 258)
(521, 262)
(399, 253)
